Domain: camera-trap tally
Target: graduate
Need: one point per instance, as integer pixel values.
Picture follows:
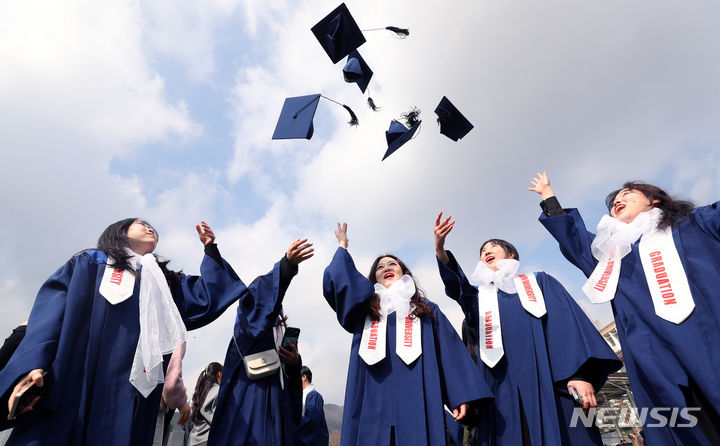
(657, 259)
(406, 359)
(252, 410)
(100, 334)
(535, 343)
(312, 429)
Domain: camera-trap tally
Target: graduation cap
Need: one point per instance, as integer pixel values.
(296, 117)
(398, 134)
(357, 70)
(452, 123)
(339, 34)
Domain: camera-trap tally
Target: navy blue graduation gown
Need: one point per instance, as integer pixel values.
(256, 412)
(661, 356)
(541, 355)
(87, 347)
(391, 393)
(313, 430)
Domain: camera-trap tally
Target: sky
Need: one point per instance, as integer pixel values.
(164, 110)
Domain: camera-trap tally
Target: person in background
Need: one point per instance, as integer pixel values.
(312, 430)
(204, 401)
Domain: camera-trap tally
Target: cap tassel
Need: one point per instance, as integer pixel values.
(411, 117)
(353, 117)
(372, 105)
(400, 32)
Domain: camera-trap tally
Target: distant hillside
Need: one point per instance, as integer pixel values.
(333, 416)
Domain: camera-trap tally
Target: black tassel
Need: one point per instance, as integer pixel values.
(353, 117)
(400, 32)
(372, 105)
(411, 117)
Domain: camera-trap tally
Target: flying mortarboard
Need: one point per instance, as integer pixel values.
(452, 123)
(357, 70)
(296, 117)
(338, 33)
(398, 134)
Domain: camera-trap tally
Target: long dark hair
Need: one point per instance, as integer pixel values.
(673, 209)
(418, 299)
(507, 246)
(114, 240)
(205, 381)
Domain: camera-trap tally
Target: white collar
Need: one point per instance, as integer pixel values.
(503, 278)
(614, 238)
(397, 296)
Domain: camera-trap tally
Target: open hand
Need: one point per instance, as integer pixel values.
(442, 229)
(541, 185)
(299, 251)
(206, 234)
(341, 235)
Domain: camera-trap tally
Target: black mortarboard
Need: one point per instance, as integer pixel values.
(356, 70)
(452, 123)
(338, 33)
(296, 117)
(397, 135)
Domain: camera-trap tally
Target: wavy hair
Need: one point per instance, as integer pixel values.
(674, 210)
(418, 299)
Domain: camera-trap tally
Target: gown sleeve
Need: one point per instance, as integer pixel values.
(461, 379)
(575, 347)
(202, 299)
(574, 239)
(458, 288)
(708, 218)
(347, 291)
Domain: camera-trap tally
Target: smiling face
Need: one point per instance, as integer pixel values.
(388, 270)
(628, 203)
(141, 237)
(491, 253)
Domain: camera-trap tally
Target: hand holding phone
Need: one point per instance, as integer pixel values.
(26, 393)
(291, 335)
(578, 399)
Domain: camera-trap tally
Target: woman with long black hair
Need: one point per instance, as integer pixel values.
(534, 345)
(657, 259)
(406, 359)
(99, 337)
(204, 401)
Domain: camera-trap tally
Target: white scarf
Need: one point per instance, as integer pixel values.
(507, 280)
(408, 341)
(664, 273)
(161, 327)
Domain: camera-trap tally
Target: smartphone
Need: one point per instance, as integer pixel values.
(291, 335)
(578, 399)
(24, 396)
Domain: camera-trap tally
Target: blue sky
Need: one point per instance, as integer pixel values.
(165, 110)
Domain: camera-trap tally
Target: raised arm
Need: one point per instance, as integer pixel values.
(565, 225)
(346, 290)
(442, 229)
